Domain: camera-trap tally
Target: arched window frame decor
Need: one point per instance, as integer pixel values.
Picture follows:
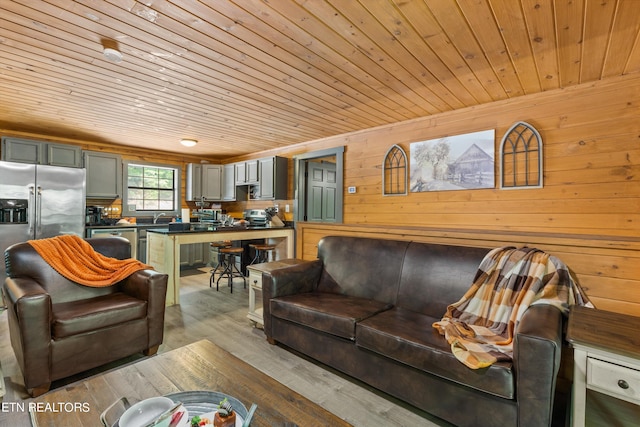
(519, 145)
(394, 172)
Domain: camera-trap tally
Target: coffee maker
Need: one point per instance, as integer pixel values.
(94, 215)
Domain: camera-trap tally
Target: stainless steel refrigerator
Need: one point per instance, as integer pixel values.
(39, 201)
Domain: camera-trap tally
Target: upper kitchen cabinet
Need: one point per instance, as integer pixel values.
(228, 182)
(247, 172)
(212, 182)
(39, 152)
(104, 175)
(64, 155)
(204, 182)
(272, 178)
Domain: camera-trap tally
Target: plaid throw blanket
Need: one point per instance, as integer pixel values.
(480, 327)
(75, 259)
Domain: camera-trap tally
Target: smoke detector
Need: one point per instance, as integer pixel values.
(112, 55)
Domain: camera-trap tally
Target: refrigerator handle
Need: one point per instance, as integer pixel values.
(39, 211)
(32, 209)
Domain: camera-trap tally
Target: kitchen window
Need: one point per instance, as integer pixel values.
(151, 188)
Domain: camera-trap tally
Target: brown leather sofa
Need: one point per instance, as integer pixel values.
(366, 307)
(59, 328)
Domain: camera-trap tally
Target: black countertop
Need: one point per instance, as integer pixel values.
(199, 228)
(136, 225)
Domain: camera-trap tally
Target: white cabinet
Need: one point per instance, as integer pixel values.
(256, 272)
(606, 377)
(204, 181)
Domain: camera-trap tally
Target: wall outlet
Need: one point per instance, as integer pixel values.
(286, 208)
(352, 190)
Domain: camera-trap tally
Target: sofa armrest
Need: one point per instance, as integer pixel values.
(150, 286)
(29, 314)
(536, 357)
(289, 280)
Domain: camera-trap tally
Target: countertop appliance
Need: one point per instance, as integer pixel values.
(95, 216)
(208, 215)
(256, 217)
(39, 201)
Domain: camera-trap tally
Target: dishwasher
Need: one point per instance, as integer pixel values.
(131, 234)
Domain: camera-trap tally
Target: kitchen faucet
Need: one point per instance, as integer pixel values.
(156, 216)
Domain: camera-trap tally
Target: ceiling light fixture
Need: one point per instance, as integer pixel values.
(112, 54)
(188, 142)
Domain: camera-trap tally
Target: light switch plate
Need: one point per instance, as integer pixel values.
(352, 190)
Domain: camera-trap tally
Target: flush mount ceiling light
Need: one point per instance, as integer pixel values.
(188, 142)
(112, 54)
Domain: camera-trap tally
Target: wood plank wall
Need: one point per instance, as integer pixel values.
(588, 211)
(590, 199)
(607, 269)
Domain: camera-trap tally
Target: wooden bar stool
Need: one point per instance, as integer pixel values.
(262, 252)
(231, 270)
(221, 259)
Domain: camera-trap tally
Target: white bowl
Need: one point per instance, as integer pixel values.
(142, 413)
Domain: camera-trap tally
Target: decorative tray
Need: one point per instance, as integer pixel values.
(202, 402)
(196, 403)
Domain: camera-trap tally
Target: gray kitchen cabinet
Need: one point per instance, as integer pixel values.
(204, 181)
(194, 182)
(212, 182)
(40, 152)
(247, 172)
(273, 177)
(241, 173)
(253, 171)
(104, 175)
(64, 155)
(228, 182)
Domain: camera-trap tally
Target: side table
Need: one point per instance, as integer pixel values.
(255, 284)
(606, 357)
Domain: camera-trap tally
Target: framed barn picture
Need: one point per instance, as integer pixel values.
(460, 162)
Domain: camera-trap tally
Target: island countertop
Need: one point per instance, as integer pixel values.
(163, 247)
(199, 228)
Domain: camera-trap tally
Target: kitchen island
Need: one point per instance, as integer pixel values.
(163, 247)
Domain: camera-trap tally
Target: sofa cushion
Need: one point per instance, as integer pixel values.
(363, 268)
(76, 317)
(327, 312)
(434, 276)
(408, 337)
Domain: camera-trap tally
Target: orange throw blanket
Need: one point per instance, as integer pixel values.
(75, 259)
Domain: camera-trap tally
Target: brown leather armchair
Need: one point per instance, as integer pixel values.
(59, 328)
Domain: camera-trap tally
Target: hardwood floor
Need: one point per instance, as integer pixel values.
(221, 318)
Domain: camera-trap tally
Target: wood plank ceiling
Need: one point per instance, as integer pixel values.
(246, 75)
